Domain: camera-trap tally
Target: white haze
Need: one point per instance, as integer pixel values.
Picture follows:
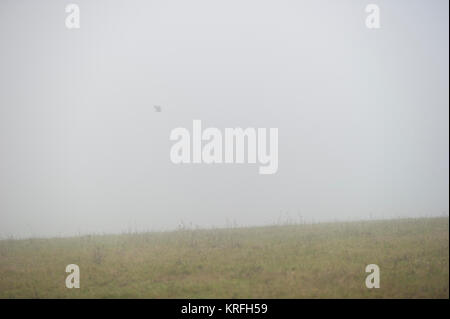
(362, 114)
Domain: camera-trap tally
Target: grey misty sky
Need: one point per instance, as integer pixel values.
(362, 114)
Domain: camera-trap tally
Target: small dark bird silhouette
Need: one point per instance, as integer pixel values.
(157, 108)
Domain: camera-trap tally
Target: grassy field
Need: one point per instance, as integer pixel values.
(292, 261)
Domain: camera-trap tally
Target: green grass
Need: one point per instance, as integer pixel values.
(293, 261)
